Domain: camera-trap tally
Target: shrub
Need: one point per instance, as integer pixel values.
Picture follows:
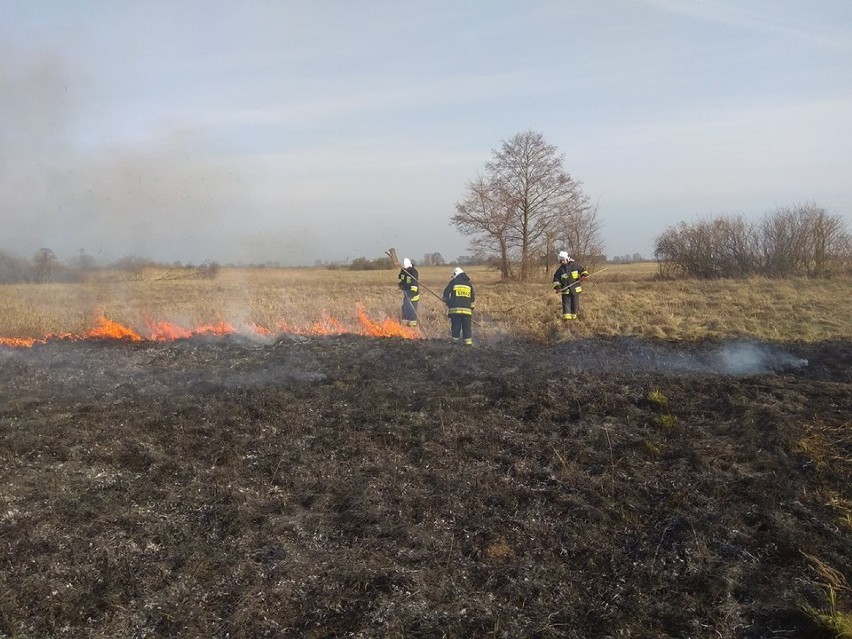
(799, 240)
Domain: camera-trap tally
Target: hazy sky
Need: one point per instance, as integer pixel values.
(323, 130)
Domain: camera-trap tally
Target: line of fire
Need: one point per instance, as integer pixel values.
(163, 331)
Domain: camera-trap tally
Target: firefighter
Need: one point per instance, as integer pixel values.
(566, 281)
(460, 301)
(410, 286)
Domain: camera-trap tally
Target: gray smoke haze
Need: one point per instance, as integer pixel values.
(630, 355)
(162, 195)
(177, 190)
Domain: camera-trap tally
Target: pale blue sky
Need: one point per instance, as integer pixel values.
(298, 131)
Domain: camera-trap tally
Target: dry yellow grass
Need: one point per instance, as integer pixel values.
(620, 300)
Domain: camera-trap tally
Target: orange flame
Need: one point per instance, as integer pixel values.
(107, 329)
(24, 342)
(388, 328)
(326, 325)
(163, 331)
(262, 330)
(166, 331)
(219, 328)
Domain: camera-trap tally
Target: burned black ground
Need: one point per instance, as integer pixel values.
(352, 486)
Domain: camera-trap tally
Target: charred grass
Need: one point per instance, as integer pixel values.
(349, 486)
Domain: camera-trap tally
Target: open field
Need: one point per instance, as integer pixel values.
(584, 481)
(620, 300)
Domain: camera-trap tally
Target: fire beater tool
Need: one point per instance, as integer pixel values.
(391, 253)
(561, 290)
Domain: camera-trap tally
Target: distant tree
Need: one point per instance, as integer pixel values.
(135, 265)
(13, 269)
(379, 264)
(209, 270)
(84, 262)
(45, 265)
(523, 204)
(433, 259)
(478, 258)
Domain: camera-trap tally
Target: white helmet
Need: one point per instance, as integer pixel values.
(457, 271)
(406, 263)
(563, 255)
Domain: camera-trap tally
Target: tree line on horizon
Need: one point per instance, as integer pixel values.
(45, 267)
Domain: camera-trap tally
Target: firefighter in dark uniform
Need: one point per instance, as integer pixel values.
(410, 286)
(566, 281)
(460, 301)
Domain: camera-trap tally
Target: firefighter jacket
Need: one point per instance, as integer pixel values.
(409, 283)
(567, 278)
(459, 296)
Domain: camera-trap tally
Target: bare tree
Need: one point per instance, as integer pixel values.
(45, 264)
(522, 204)
(13, 269)
(579, 230)
(528, 173)
(433, 259)
(84, 262)
(484, 215)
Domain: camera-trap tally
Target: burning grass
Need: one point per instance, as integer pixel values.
(163, 331)
(622, 300)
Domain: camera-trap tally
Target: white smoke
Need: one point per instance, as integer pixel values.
(745, 358)
(630, 355)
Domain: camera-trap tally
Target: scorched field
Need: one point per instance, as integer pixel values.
(297, 485)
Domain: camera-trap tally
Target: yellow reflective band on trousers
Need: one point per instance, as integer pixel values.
(460, 311)
(416, 298)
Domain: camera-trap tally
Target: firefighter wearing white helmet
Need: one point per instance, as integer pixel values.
(460, 300)
(410, 287)
(566, 282)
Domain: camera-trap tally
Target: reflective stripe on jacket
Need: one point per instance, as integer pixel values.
(407, 280)
(459, 296)
(567, 276)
